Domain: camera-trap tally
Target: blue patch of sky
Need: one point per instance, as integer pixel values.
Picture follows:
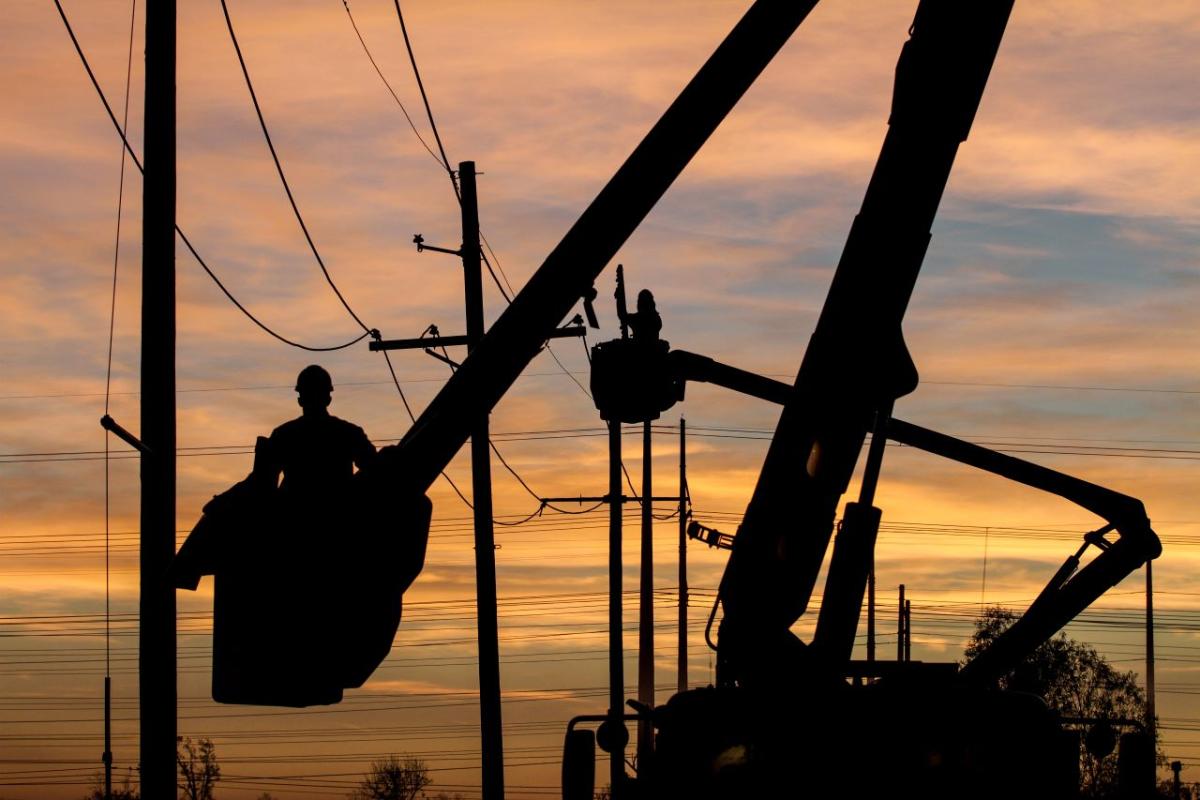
(1048, 245)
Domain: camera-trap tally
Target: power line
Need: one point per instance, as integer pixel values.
(107, 756)
(1052, 386)
(1014, 445)
(388, 85)
(445, 161)
(283, 178)
(178, 230)
(425, 99)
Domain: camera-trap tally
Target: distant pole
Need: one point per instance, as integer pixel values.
(491, 727)
(645, 742)
(900, 627)
(156, 604)
(616, 664)
(908, 630)
(871, 616)
(1150, 721)
(682, 681)
(108, 756)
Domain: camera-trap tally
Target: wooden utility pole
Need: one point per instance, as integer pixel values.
(908, 630)
(682, 676)
(156, 614)
(900, 626)
(616, 655)
(491, 728)
(645, 740)
(871, 616)
(1150, 720)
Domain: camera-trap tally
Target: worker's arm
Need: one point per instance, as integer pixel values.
(364, 449)
(267, 462)
(619, 295)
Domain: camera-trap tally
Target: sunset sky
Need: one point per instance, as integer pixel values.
(1055, 317)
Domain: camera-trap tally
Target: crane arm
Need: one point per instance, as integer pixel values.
(1072, 589)
(856, 362)
(687, 366)
(1069, 592)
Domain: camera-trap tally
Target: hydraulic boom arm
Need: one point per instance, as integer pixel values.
(1069, 591)
(856, 363)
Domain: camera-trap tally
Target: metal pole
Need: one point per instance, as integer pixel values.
(490, 724)
(616, 664)
(1150, 716)
(645, 742)
(900, 627)
(156, 633)
(682, 679)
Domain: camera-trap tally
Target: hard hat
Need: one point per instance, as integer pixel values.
(314, 378)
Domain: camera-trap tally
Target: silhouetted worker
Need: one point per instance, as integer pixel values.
(317, 452)
(646, 322)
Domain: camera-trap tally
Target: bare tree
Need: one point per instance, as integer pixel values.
(123, 793)
(198, 768)
(393, 778)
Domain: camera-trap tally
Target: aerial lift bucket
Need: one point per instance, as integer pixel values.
(307, 596)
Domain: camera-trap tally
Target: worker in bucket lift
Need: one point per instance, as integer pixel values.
(646, 322)
(317, 452)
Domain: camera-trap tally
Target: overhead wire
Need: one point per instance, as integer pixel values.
(388, 85)
(106, 757)
(425, 99)
(262, 122)
(445, 160)
(1069, 448)
(112, 324)
(178, 230)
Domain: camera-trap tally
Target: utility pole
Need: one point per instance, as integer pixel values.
(156, 609)
(491, 728)
(900, 627)
(908, 630)
(871, 617)
(645, 742)
(682, 678)
(616, 665)
(1150, 721)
